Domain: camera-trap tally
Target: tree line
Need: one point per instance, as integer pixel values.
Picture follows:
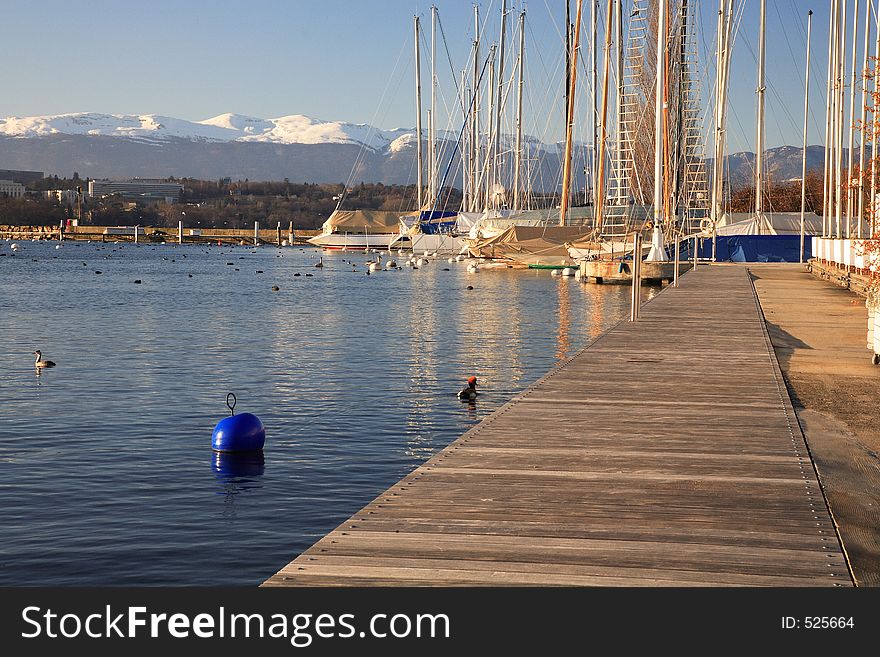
(226, 203)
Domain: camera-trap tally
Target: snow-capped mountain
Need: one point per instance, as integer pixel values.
(296, 147)
(293, 129)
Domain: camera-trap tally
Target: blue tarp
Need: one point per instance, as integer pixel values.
(434, 222)
(751, 248)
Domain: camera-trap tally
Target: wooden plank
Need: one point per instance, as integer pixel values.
(667, 453)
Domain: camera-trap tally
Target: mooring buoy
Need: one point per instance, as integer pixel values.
(238, 433)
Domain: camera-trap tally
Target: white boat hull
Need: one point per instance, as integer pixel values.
(439, 244)
(353, 241)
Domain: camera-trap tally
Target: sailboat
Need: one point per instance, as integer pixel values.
(674, 143)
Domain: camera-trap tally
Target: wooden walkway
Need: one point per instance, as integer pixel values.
(667, 453)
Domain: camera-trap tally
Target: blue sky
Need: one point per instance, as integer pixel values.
(341, 60)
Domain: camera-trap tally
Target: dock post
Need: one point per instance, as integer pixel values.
(180, 232)
(256, 233)
(290, 234)
(636, 299)
(677, 260)
(279, 233)
(696, 250)
(135, 234)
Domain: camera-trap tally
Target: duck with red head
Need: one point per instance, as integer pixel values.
(469, 392)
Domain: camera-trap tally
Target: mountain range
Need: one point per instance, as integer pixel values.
(296, 147)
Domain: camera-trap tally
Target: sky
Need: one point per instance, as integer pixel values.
(348, 60)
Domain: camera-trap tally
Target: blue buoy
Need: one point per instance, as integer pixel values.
(238, 433)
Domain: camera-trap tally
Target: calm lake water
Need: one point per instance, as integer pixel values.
(106, 471)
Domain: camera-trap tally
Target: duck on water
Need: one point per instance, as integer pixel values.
(40, 363)
(469, 392)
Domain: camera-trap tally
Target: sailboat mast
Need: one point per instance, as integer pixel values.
(806, 113)
(714, 210)
(759, 142)
(418, 119)
(475, 114)
(658, 113)
(864, 115)
(432, 130)
(875, 109)
(488, 168)
(499, 96)
(599, 198)
(852, 119)
(572, 85)
(840, 58)
(618, 98)
(594, 83)
(829, 88)
(517, 205)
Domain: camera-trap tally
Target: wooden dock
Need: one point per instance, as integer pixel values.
(667, 453)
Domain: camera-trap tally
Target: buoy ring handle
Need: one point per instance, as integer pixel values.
(231, 404)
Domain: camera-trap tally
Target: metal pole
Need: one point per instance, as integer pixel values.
(499, 109)
(658, 113)
(180, 232)
(432, 125)
(636, 297)
(759, 146)
(829, 87)
(256, 233)
(875, 108)
(852, 120)
(696, 250)
(677, 258)
(594, 75)
(279, 233)
(864, 115)
(419, 165)
(572, 82)
(806, 112)
(519, 105)
(841, 77)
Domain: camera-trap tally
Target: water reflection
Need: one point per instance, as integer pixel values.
(562, 341)
(237, 473)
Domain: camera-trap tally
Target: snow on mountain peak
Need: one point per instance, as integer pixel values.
(292, 129)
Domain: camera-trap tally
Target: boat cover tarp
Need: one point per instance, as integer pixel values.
(374, 221)
(753, 248)
(536, 240)
(770, 223)
(493, 222)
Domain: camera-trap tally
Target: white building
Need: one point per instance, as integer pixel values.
(11, 189)
(137, 189)
(62, 196)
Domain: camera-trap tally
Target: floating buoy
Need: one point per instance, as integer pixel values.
(554, 272)
(238, 433)
(568, 271)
